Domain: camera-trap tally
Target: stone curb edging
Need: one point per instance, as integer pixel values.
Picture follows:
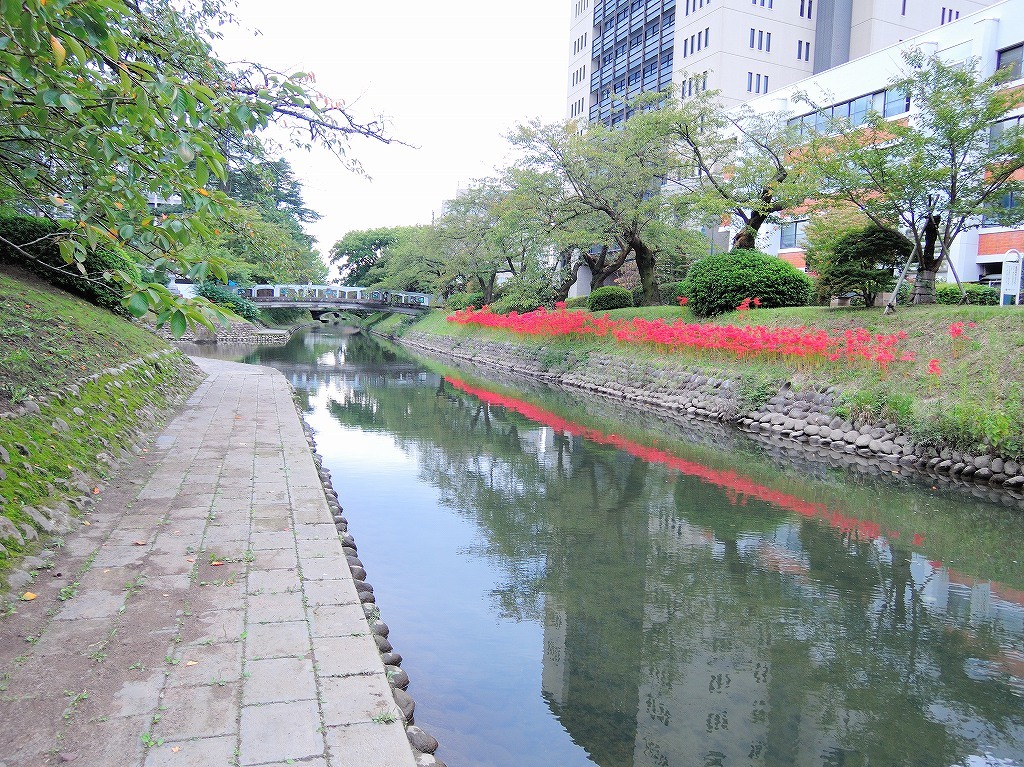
(806, 417)
(236, 333)
(75, 495)
(423, 744)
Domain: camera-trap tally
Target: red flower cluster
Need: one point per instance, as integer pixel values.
(746, 303)
(799, 344)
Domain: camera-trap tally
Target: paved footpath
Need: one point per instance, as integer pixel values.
(206, 614)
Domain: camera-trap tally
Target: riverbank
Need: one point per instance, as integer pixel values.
(208, 611)
(965, 425)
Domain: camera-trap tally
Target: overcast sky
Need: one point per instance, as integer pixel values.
(453, 76)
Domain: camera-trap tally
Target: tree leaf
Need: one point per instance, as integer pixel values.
(70, 103)
(178, 323)
(138, 305)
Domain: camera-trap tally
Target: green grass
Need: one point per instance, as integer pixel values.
(977, 403)
(48, 338)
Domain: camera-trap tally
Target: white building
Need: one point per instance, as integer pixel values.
(745, 50)
(995, 37)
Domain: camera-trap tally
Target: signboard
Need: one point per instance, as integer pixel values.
(1010, 290)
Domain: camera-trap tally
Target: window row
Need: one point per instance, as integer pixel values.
(695, 5)
(579, 75)
(1010, 58)
(762, 3)
(577, 107)
(887, 103)
(803, 50)
(808, 6)
(580, 44)
(695, 84)
(757, 83)
(947, 15)
(581, 6)
(763, 39)
(696, 42)
(650, 68)
(664, 24)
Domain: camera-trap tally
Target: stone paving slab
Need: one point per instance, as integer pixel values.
(206, 615)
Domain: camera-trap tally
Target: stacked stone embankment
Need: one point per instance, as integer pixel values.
(131, 399)
(808, 417)
(235, 333)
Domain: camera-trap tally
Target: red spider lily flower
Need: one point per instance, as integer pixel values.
(933, 368)
(956, 329)
(683, 300)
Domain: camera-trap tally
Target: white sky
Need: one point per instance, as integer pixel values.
(453, 76)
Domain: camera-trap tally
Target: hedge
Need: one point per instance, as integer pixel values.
(720, 282)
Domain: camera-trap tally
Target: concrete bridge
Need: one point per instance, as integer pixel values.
(322, 300)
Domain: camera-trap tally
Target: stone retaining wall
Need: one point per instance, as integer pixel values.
(160, 381)
(236, 333)
(807, 417)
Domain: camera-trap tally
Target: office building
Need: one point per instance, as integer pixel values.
(621, 48)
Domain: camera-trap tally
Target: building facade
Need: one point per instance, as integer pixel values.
(621, 48)
(994, 37)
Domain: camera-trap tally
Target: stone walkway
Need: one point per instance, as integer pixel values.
(205, 614)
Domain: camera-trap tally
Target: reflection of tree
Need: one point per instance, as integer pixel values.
(688, 625)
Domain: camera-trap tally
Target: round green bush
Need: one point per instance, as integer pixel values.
(718, 283)
(224, 296)
(458, 301)
(49, 265)
(979, 295)
(610, 297)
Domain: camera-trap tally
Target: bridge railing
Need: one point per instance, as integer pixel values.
(333, 293)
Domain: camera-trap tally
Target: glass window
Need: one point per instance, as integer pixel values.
(896, 103)
(791, 232)
(1011, 59)
(859, 109)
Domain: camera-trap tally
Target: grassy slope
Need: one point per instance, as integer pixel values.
(48, 338)
(978, 398)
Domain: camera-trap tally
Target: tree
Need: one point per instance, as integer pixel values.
(603, 185)
(359, 251)
(935, 173)
(863, 262)
(737, 163)
(107, 105)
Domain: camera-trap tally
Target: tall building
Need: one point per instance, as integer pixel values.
(621, 48)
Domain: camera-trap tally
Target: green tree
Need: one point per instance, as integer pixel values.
(603, 185)
(863, 262)
(107, 105)
(736, 163)
(359, 251)
(935, 173)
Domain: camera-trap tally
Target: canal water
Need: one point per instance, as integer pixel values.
(575, 584)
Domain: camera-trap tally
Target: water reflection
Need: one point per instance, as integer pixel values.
(697, 607)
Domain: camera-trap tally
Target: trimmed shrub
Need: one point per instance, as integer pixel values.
(224, 296)
(524, 293)
(718, 283)
(979, 295)
(459, 301)
(106, 293)
(671, 293)
(609, 297)
(580, 302)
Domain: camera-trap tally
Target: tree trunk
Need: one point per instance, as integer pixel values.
(746, 238)
(648, 278)
(927, 264)
(571, 274)
(488, 288)
(601, 268)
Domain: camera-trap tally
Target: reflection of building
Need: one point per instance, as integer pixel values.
(742, 49)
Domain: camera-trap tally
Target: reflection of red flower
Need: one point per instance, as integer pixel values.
(738, 488)
(936, 564)
(918, 539)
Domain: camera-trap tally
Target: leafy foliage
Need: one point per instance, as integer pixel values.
(721, 282)
(108, 105)
(979, 295)
(457, 301)
(609, 297)
(40, 237)
(863, 263)
(524, 293)
(935, 173)
(224, 296)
